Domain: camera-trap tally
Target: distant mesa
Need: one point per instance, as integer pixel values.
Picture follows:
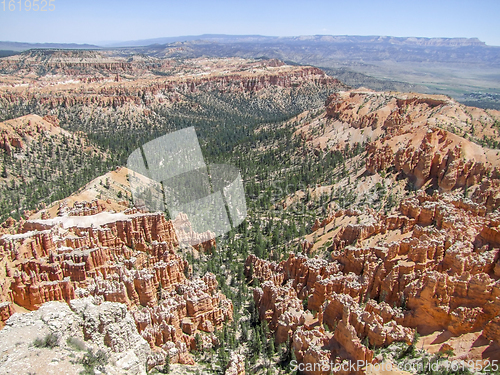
(222, 38)
(19, 46)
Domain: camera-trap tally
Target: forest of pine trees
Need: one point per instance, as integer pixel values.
(254, 135)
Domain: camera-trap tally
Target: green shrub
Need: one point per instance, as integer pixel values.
(49, 341)
(76, 343)
(94, 361)
(166, 367)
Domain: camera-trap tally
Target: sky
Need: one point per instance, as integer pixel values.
(102, 22)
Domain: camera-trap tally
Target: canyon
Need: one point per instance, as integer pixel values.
(429, 266)
(385, 233)
(432, 266)
(127, 257)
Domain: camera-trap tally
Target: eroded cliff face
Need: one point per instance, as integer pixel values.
(448, 160)
(140, 83)
(392, 112)
(424, 137)
(128, 257)
(173, 322)
(79, 63)
(333, 325)
(16, 133)
(432, 266)
(84, 324)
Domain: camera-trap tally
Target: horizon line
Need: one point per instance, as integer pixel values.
(109, 44)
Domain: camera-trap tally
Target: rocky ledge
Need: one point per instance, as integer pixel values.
(127, 261)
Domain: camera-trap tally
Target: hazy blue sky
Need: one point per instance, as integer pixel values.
(94, 21)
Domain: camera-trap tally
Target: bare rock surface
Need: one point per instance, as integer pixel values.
(120, 273)
(430, 267)
(107, 326)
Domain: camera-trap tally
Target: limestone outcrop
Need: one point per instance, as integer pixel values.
(440, 270)
(6, 310)
(172, 323)
(314, 283)
(423, 137)
(440, 156)
(128, 258)
(235, 76)
(90, 325)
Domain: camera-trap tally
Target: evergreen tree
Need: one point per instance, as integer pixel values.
(166, 366)
(199, 342)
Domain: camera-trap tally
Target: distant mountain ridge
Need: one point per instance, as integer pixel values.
(223, 38)
(20, 46)
(465, 68)
(461, 67)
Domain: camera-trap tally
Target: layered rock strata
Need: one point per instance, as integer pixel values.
(128, 257)
(432, 266)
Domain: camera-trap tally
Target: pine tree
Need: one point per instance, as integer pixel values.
(293, 358)
(257, 344)
(166, 366)
(199, 342)
(159, 292)
(270, 348)
(223, 358)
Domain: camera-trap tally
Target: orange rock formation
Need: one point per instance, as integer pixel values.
(126, 257)
(441, 272)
